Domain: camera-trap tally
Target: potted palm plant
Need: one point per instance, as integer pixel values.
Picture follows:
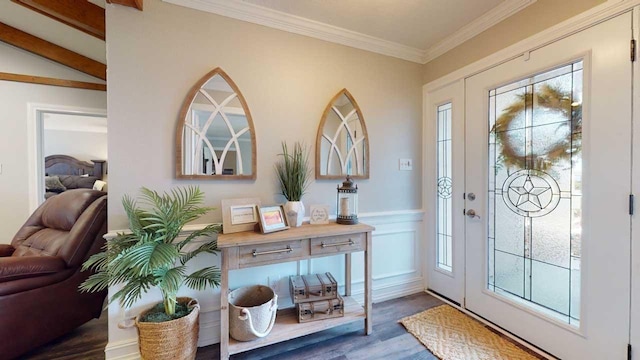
(294, 175)
(154, 255)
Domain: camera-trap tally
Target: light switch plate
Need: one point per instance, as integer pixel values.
(406, 164)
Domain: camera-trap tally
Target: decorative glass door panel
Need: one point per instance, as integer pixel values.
(444, 189)
(535, 172)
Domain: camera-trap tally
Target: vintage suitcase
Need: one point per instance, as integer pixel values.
(319, 310)
(312, 287)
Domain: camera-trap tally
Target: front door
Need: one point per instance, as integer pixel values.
(547, 159)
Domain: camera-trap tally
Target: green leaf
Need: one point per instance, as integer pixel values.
(169, 280)
(96, 261)
(209, 247)
(199, 280)
(96, 282)
(133, 290)
(293, 171)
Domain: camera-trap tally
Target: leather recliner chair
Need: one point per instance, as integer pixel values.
(40, 271)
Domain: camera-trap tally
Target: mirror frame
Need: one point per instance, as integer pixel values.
(327, 110)
(186, 105)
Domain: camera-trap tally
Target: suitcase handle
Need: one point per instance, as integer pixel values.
(287, 250)
(350, 243)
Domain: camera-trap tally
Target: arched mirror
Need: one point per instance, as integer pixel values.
(342, 144)
(215, 137)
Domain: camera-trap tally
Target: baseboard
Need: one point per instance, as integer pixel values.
(122, 350)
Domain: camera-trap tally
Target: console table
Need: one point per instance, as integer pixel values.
(249, 249)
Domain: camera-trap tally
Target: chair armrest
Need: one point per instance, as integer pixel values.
(6, 250)
(20, 267)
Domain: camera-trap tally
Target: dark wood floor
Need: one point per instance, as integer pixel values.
(86, 342)
(389, 339)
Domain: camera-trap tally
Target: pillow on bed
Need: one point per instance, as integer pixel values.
(53, 184)
(77, 181)
(99, 185)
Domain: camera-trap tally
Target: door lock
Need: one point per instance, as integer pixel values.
(472, 214)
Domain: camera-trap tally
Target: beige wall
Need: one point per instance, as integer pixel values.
(530, 21)
(156, 56)
(82, 145)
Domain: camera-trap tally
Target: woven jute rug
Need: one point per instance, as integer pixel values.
(451, 335)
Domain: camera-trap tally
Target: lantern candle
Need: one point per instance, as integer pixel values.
(344, 206)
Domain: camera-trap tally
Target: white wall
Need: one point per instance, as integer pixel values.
(82, 145)
(14, 145)
(156, 56)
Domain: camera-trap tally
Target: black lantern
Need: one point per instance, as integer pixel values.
(347, 203)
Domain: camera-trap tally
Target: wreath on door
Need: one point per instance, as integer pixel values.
(549, 98)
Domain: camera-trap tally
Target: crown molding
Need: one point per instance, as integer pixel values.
(484, 22)
(298, 25)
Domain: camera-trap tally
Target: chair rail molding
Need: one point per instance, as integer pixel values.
(399, 231)
(299, 25)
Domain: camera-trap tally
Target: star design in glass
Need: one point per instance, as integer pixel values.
(529, 193)
(444, 187)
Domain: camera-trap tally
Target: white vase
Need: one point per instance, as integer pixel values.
(294, 210)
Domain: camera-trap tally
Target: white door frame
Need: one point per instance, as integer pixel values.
(35, 143)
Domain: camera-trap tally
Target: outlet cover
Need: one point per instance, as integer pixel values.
(406, 164)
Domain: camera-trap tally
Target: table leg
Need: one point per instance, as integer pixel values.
(224, 306)
(368, 322)
(347, 274)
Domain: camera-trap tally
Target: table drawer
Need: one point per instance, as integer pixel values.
(338, 244)
(273, 253)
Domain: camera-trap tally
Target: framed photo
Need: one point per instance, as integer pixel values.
(239, 215)
(272, 218)
(319, 214)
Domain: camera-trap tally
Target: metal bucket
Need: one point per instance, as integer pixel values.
(252, 312)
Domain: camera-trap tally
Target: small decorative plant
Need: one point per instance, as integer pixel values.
(151, 255)
(293, 171)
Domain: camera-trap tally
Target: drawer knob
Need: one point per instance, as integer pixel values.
(350, 243)
(288, 249)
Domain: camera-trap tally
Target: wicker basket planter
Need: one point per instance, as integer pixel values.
(172, 340)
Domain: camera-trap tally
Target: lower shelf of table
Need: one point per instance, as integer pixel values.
(287, 327)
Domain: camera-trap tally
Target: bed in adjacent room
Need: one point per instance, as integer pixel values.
(63, 172)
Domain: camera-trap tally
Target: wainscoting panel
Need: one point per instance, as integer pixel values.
(397, 271)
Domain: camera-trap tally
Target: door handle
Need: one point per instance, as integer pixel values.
(472, 214)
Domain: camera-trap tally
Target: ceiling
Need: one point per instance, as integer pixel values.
(414, 30)
(415, 23)
(51, 30)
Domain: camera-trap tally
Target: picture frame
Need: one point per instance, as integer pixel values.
(272, 218)
(239, 214)
(318, 214)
